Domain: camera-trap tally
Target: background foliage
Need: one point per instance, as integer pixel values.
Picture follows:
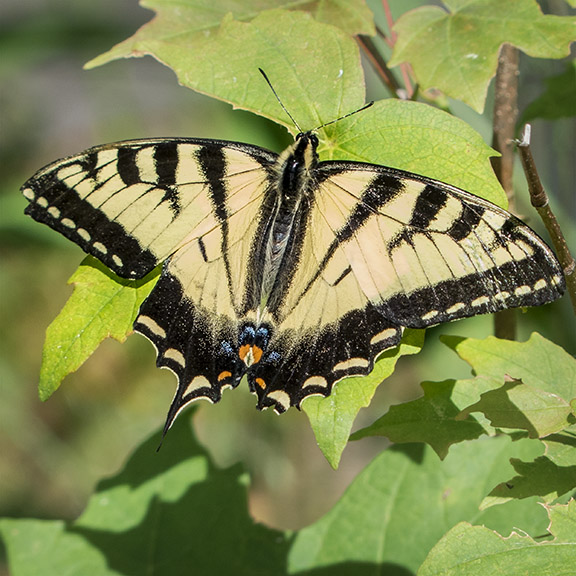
(193, 501)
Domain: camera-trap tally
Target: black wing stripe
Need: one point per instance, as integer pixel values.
(429, 203)
(78, 220)
(381, 190)
(166, 163)
(127, 165)
(467, 221)
(212, 162)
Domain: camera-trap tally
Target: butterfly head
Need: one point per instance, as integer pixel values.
(305, 148)
(297, 161)
(309, 137)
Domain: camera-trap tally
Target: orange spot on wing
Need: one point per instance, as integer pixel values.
(261, 383)
(224, 375)
(243, 352)
(257, 353)
(250, 354)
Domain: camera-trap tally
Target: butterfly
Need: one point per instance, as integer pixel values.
(290, 271)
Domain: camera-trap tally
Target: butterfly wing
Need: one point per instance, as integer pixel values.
(192, 204)
(386, 249)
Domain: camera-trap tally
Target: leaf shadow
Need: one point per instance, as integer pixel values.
(173, 537)
(501, 410)
(414, 450)
(206, 530)
(359, 569)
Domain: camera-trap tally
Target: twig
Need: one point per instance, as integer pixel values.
(539, 199)
(505, 115)
(379, 64)
(390, 22)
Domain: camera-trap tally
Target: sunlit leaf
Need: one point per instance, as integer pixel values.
(102, 305)
(518, 405)
(561, 448)
(222, 60)
(538, 362)
(332, 418)
(418, 138)
(476, 551)
(456, 49)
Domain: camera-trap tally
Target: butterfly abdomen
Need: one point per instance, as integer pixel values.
(280, 248)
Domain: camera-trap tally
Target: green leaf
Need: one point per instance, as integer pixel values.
(398, 508)
(456, 50)
(102, 305)
(542, 477)
(46, 547)
(332, 418)
(561, 448)
(417, 138)
(559, 99)
(434, 418)
(170, 514)
(476, 551)
(538, 362)
(316, 90)
(563, 521)
(223, 62)
(518, 405)
(191, 22)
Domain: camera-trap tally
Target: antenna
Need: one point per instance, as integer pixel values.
(292, 117)
(346, 115)
(279, 101)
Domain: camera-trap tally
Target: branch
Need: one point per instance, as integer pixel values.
(539, 199)
(505, 115)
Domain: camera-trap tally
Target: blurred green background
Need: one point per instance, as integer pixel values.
(53, 453)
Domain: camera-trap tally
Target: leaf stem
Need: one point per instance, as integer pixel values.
(379, 64)
(390, 22)
(539, 199)
(404, 67)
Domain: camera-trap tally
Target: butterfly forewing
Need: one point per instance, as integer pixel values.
(132, 204)
(425, 252)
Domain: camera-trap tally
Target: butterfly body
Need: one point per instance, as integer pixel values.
(293, 272)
